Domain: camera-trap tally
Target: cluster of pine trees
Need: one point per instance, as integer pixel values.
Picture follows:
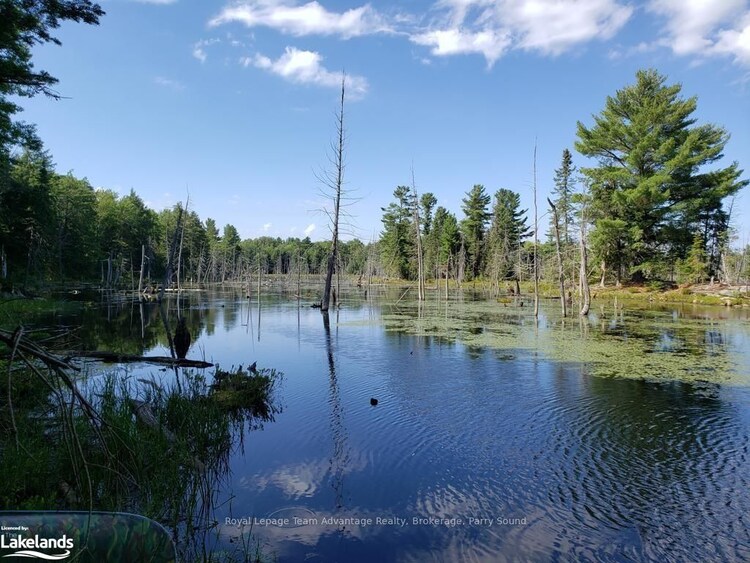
(652, 206)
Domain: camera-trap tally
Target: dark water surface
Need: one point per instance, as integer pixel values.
(483, 452)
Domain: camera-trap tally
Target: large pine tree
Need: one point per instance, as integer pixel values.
(652, 190)
(507, 229)
(397, 241)
(474, 224)
(563, 192)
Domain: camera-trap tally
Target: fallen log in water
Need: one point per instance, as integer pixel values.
(115, 358)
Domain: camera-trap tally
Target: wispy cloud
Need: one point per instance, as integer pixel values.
(304, 67)
(705, 29)
(267, 227)
(305, 19)
(199, 49)
(309, 229)
(175, 85)
(492, 28)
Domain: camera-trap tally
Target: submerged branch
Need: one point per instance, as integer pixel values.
(114, 357)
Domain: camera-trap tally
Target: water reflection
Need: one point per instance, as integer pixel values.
(484, 413)
(339, 456)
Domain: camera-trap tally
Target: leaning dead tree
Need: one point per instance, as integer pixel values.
(560, 267)
(334, 181)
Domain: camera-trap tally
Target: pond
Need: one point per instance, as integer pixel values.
(622, 437)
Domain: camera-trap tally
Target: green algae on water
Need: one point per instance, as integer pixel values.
(637, 341)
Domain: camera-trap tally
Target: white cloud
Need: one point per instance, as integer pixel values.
(304, 67)
(175, 85)
(489, 43)
(156, 1)
(554, 26)
(703, 29)
(491, 28)
(309, 229)
(199, 49)
(267, 227)
(486, 27)
(305, 19)
(736, 42)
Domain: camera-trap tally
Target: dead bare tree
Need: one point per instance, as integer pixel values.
(334, 180)
(333, 189)
(536, 242)
(560, 266)
(418, 237)
(584, 281)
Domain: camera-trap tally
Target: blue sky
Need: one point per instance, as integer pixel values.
(234, 101)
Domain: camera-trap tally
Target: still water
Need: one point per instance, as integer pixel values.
(494, 438)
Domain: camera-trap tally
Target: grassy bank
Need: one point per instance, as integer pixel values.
(162, 452)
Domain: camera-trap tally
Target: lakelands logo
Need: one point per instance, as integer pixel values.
(28, 547)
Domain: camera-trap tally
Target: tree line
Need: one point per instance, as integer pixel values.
(649, 204)
(58, 227)
(652, 209)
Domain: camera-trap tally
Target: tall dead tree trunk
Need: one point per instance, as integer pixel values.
(170, 259)
(336, 185)
(140, 277)
(536, 241)
(179, 255)
(560, 267)
(585, 290)
(418, 236)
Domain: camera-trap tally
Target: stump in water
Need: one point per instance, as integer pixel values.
(181, 339)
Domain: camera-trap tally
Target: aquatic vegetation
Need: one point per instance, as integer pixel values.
(160, 451)
(245, 392)
(639, 341)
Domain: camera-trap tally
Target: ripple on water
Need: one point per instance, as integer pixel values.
(664, 473)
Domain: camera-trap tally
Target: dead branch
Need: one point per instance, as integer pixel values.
(115, 358)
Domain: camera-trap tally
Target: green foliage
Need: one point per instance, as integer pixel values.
(24, 25)
(26, 214)
(651, 189)
(123, 226)
(694, 268)
(427, 203)
(563, 193)
(473, 226)
(507, 229)
(397, 240)
(74, 204)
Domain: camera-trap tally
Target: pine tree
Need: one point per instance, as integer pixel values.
(507, 229)
(473, 226)
(397, 242)
(651, 184)
(694, 269)
(562, 191)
